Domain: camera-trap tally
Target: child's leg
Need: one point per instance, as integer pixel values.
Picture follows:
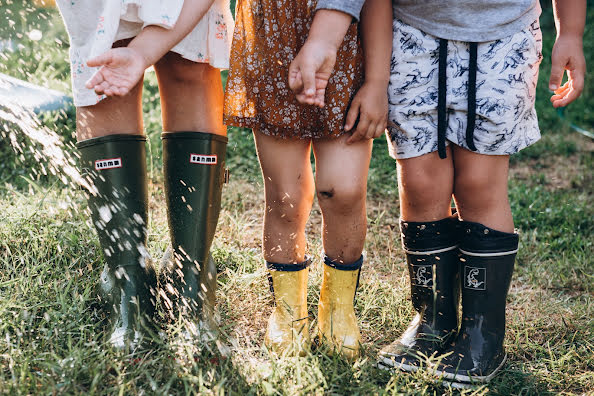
(341, 184)
(194, 147)
(341, 187)
(113, 157)
(191, 95)
(429, 239)
(480, 189)
(112, 115)
(488, 249)
(289, 189)
(425, 186)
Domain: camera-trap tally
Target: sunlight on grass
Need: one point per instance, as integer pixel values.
(51, 321)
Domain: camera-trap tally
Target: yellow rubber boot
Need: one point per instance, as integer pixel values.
(288, 326)
(337, 323)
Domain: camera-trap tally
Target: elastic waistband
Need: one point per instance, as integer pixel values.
(193, 135)
(120, 137)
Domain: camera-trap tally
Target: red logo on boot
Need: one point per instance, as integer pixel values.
(109, 163)
(203, 159)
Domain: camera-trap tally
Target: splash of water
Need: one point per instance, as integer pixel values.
(51, 153)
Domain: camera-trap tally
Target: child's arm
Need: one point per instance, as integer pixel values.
(568, 53)
(310, 70)
(122, 68)
(370, 104)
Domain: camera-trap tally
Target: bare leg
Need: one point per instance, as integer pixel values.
(425, 186)
(480, 189)
(341, 185)
(191, 95)
(289, 189)
(110, 116)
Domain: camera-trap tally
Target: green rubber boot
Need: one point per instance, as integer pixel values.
(115, 168)
(194, 167)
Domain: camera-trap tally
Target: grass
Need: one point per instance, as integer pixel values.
(51, 324)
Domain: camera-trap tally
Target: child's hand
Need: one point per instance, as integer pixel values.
(370, 105)
(567, 55)
(121, 69)
(310, 70)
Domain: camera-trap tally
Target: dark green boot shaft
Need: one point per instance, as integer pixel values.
(115, 168)
(194, 167)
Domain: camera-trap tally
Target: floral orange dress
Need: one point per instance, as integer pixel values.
(268, 34)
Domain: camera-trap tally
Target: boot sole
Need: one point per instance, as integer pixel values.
(460, 379)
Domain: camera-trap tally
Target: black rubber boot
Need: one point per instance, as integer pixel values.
(194, 167)
(115, 168)
(432, 256)
(486, 264)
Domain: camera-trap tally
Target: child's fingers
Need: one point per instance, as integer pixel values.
(379, 130)
(110, 91)
(96, 79)
(308, 75)
(564, 88)
(557, 70)
(295, 81)
(121, 91)
(352, 114)
(320, 97)
(101, 88)
(563, 100)
(371, 130)
(300, 97)
(101, 60)
(577, 80)
(361, 130)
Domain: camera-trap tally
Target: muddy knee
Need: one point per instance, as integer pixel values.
(341, 199)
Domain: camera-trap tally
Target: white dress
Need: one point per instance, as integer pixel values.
(94, 25)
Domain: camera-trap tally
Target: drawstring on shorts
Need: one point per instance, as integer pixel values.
(441, 97)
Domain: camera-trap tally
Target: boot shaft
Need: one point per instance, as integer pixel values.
(486, 264)
(288, 284)
(432, 258)
(194, 169)
(115, 167)
(337, 322)
(487, 259)
(340, 282)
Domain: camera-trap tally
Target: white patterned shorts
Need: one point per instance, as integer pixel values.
(507, 73)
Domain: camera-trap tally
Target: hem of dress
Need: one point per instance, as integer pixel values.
(276, 131)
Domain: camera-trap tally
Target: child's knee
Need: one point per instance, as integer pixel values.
(182, 71)
(289, 204)
(422, 188)
(471, 183)
(344, 198)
